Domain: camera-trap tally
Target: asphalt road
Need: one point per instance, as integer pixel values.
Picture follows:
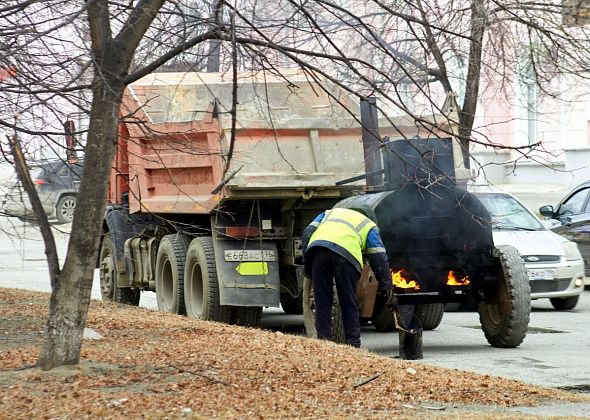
(555, 353)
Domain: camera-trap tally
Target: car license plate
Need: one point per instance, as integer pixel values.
(240, 255)
(541, 273)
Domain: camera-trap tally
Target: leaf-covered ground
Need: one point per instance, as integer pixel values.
(156, 365)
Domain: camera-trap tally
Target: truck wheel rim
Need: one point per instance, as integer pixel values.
(195, 287)
(107, 276)
(167, 292)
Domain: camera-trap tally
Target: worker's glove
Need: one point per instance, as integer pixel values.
(391, 300)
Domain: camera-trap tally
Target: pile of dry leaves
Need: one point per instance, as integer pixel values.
(152, 364)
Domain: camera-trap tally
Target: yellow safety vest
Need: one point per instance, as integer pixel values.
(346, 228)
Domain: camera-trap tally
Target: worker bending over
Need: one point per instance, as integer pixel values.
(334, 244)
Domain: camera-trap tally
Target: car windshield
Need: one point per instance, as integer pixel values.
(507, 213)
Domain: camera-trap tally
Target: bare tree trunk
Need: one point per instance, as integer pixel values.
(68, 307)
(467, 114)
(214, 57)
(112, 56)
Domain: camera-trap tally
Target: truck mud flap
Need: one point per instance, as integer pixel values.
(248, 272)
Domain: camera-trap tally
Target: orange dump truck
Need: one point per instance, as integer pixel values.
(219, 237)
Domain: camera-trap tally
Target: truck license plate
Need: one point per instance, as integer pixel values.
(240, 255)
(541, 273)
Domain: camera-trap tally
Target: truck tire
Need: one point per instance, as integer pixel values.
(128, 295)
(170, 262)
(291, 296)
(565, 304)
(201, 288)
(453, 307)
(246, 316)
(338, 335)
(292, 305)
(107, 269)
(108, 277)
(64, 210)
(505, 319)
(430, 315)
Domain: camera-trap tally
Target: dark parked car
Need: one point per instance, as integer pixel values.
(573, 215)
(57, 183)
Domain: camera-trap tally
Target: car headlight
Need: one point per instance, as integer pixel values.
(572, 252)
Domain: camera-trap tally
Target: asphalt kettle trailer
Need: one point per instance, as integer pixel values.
(438, 237)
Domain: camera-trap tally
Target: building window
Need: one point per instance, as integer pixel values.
(528, 99)
(406, 95)
(531, 108)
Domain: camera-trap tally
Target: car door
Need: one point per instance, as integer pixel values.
(574, 215)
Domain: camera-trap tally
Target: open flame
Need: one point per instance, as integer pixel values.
(452, 280)
(400, 281)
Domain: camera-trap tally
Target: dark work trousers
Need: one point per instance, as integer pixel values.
(325, 266)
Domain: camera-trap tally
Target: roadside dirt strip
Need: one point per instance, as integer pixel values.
(143, 363)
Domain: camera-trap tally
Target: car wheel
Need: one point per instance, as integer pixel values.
(564, 304)
(64, 211)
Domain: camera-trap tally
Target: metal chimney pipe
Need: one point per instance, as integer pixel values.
(371, 141)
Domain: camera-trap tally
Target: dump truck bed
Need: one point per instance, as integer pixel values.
(293, 139)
